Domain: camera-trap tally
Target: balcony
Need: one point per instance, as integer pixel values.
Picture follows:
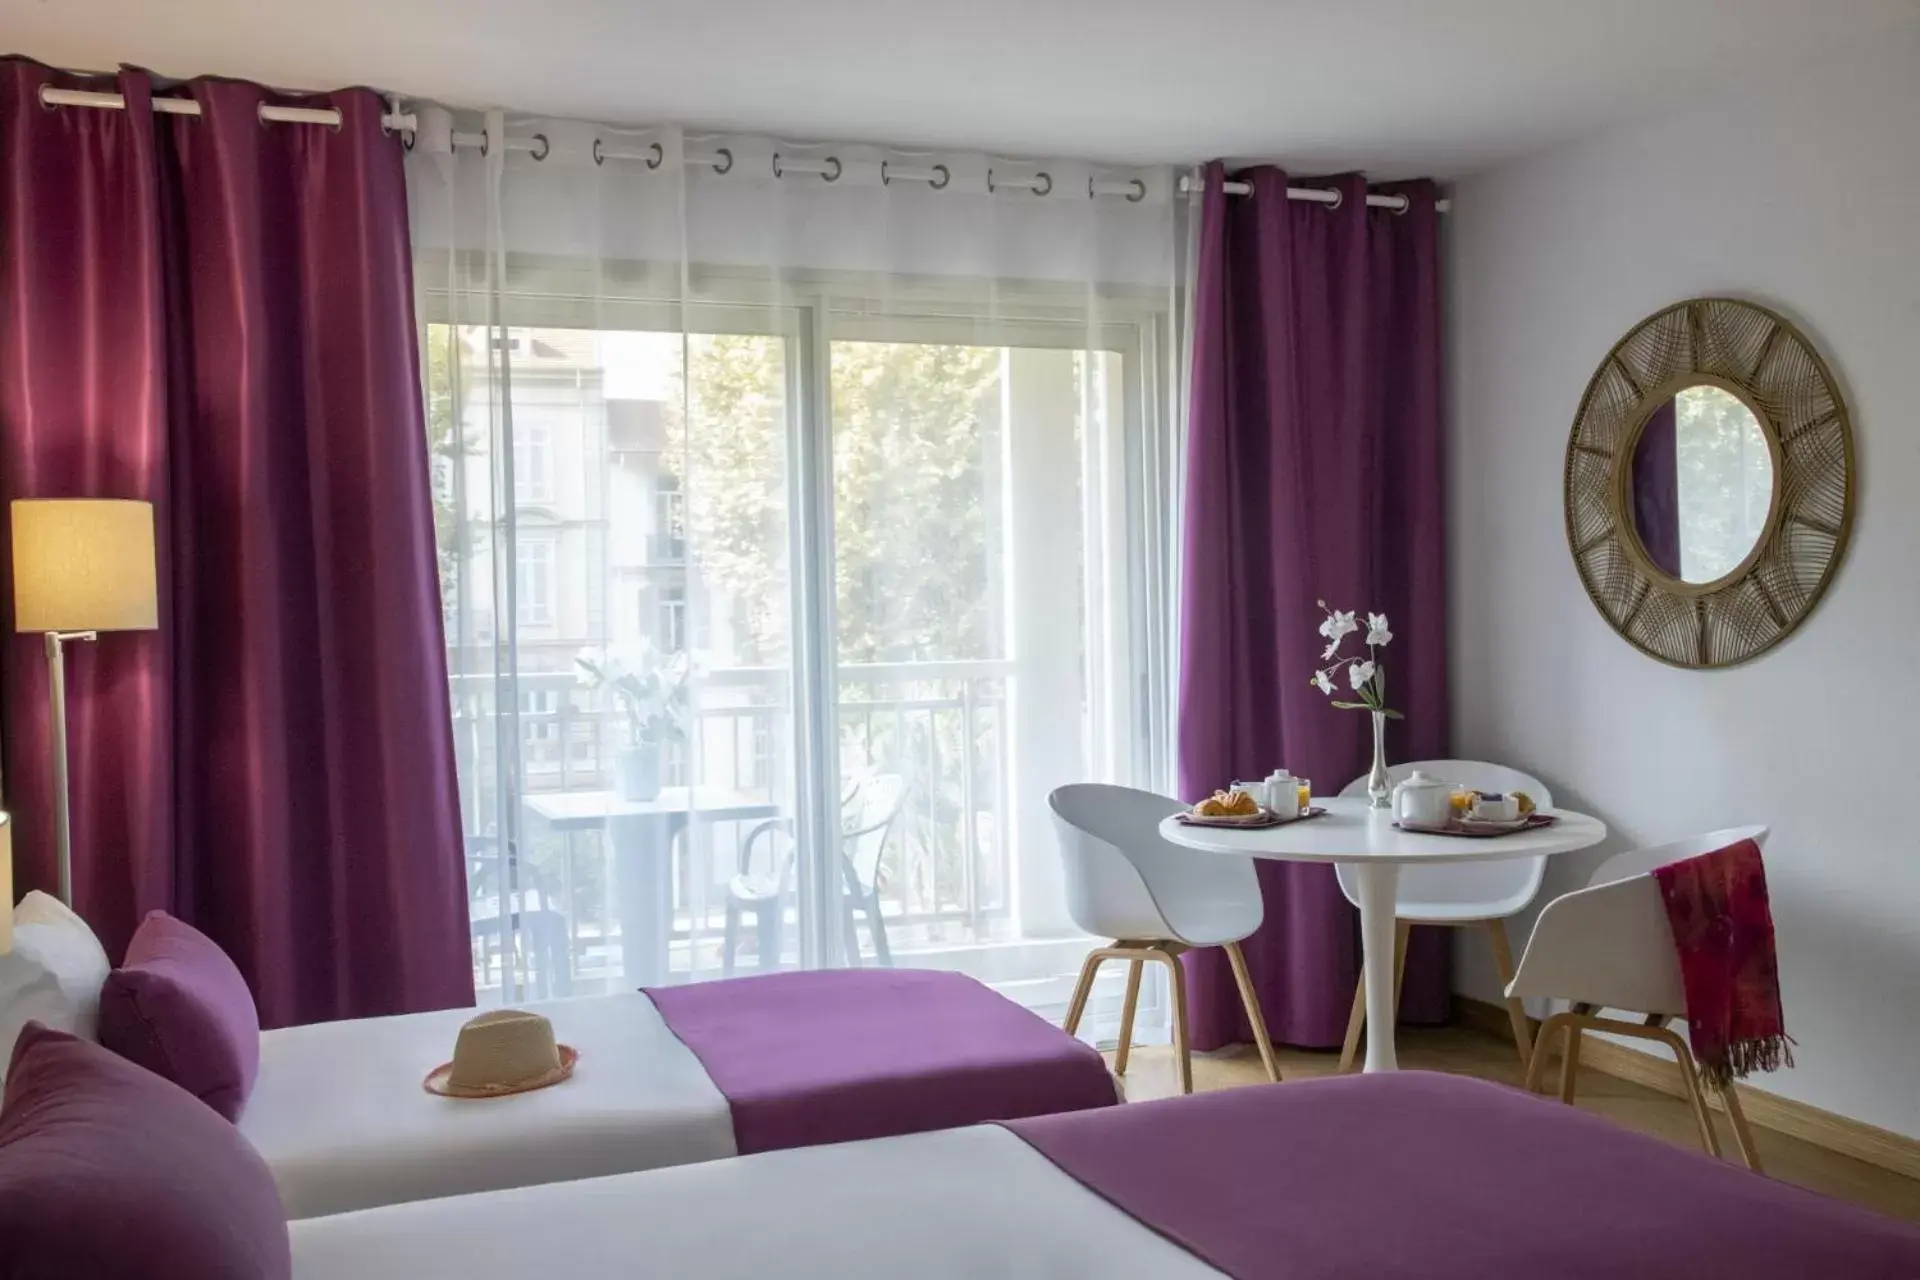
(946, 876)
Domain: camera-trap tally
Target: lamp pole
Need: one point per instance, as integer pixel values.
(57, 696)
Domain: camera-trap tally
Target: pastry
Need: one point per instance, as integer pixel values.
(1227, 804)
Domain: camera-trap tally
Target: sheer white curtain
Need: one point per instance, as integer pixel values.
(804, 520)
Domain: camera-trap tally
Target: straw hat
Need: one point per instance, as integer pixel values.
(500, 1052)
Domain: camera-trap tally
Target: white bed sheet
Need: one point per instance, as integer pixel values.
(341, 1118)
(962, 1204)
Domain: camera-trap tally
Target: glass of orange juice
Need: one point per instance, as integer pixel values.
(1304, 791)
(1463, 798)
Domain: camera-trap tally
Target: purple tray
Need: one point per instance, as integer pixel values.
(1268, 819)
(1470, 829)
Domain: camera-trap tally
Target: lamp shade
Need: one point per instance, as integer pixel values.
(83, 564)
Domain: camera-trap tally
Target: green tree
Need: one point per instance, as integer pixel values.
(916, 475)
(444, 441)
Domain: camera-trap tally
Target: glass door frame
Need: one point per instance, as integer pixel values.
(809, 313)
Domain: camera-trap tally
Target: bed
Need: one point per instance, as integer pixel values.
(675, 1076)
(1382, 1176)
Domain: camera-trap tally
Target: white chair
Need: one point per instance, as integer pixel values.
(1156, 901)
(1608, 946)
(1466, 894)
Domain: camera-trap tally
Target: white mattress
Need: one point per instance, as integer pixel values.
(955, 1205)
(342, 1119)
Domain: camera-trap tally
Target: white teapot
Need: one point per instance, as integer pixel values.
(1423, 800)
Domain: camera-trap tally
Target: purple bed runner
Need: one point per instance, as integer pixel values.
(1444, 1178)
(836, 1055)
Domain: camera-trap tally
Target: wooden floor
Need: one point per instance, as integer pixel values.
(1461, 1051)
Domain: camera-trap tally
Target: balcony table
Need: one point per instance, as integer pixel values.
(641, 833)
(1352, 833)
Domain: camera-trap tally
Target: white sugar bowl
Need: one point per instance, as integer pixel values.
(1496, 808)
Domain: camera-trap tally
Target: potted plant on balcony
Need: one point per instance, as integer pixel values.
(651, 692)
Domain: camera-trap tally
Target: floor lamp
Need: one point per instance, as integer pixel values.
(80, 566)
(6, 884)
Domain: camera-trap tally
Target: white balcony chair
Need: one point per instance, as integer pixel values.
(1608, 946)
(1156, 901)
(1471, 894)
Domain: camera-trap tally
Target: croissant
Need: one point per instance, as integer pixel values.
(1228, 804)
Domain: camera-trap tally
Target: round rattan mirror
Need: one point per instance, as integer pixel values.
(1709, 482)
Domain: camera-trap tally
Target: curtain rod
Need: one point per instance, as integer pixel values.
(52, 97)
(722, 159)
(1318, 195)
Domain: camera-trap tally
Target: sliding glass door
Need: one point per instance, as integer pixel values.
(770, 628)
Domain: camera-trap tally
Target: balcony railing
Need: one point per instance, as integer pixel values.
(945, 873)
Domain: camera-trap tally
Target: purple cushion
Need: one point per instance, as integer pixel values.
(107, 1171)
(179, 1008)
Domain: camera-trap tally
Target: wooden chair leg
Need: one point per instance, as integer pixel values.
(1542, 1045)
(1742, 1133)
(1255, 1019)
(1696, 1098)
(1516, 1012)
(1121, 1050)
(1177, 1000)
(1082, 989)
(1356, 1020)
(1570, 1062)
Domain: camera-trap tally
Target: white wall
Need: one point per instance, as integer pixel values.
(1803, 193)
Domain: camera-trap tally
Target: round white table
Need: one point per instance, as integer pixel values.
(1354, 834)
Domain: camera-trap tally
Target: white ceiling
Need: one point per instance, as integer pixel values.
(1394, 86)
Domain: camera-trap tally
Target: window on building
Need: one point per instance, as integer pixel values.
(669, 519)
(533, 582)
(670, 631)
(532, 461)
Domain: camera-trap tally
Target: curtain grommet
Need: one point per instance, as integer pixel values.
(545, 147)
(1138, 193)
(599, 155)
(659, 156)
(837, 170)
(725, 154)
(776, 164)
(486, 142)
(946, 176)
(1339, 198)
(1045, 183)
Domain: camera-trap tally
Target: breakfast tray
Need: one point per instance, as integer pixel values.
(1265, 818)
(1474, 829)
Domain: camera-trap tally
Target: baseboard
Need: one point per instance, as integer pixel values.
(1875, 1146)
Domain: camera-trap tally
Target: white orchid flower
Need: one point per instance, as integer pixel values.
(1338, 625)
(1377, 632)
(1328, 652)
(1359, 673)
(1323, 682)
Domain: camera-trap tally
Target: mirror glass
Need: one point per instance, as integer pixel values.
(1702, 483)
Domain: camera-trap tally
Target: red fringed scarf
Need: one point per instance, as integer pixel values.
(1723, 930)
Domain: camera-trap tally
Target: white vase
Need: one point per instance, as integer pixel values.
(636, 772)
(1379, 786)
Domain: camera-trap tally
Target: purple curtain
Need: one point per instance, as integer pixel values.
(1314, 472)
(216, 315)
(1656, 490)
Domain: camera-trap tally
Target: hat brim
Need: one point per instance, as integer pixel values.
(440, 1079)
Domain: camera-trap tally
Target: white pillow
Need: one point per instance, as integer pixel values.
(53, 974)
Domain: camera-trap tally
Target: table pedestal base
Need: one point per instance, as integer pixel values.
(1379, 883)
